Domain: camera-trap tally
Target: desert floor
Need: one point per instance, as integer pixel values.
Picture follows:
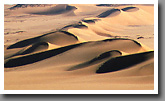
(79, 47)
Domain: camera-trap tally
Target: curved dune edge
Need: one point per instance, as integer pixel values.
(76, 25)
(116, 44)
(17, 6)
(85, 52)
(109, 13)
(123, 62)
(41, 9)
(130, 9)
(57, 37)
(90, 21)
(103, 56)
(105, 27)
(31, 58)
(36, 47)
(58, 9)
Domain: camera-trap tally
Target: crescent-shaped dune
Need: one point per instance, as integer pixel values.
(130, 9)
(90, 21)
(57, 37)
(35, 47)
(30, 49)
(97, 59)
(109, 13)
(79, 47)
(13, 62)
(123, 62)
(116, 44)
(77, 25)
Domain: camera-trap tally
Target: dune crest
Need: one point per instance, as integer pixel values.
(58, 9)
(79, 47)
(109, 13)
(130, 9)
(108, 44)
(119, 63)
(97, 59)
(57, 37)
(30, 49)
(27, 5)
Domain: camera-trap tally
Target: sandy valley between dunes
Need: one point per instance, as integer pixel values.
(79, 47)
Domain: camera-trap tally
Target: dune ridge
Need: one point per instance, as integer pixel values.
(119, 63)
(48, 37)
(130, 9)
(13, 62)
(30, 49)
(27, 5)
(79, 47)
(97, 59)
(109, 13)
(59, 9)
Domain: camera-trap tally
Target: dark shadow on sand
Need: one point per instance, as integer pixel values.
(109, 13)
(123, 62)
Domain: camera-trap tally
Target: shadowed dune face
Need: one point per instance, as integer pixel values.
(86, 49)
(58, 9)
(123, 62)
(109, 13)
(130, 9)
(97, 59)
(35, 47)
(60, 38)
(102, 46)
(23, 43)
(27, 5)
(30, 49)
(57, 37)
(112, 5)
(107, 54)
(90, 21)
(23, 60)
(78, 25)
(120, 44)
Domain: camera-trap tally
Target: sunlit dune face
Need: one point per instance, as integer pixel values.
(79, 47)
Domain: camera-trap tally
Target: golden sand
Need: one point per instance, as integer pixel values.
(79, 47)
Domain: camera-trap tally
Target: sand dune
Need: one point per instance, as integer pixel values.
(119, 63)
(109, 13)
(79, 47)
(27, 5)
(77, 25)
(130, 9)
(105, 55)
(118, 26)
(59, 9)
(117, 44)
(90, 21)
(30, 49)
(57, 37)
(13, 62)
(113, 5)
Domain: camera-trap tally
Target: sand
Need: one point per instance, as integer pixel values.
(79, 47)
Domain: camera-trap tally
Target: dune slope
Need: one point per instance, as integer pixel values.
(79, 47)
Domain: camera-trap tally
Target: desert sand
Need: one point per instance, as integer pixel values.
(79, 47)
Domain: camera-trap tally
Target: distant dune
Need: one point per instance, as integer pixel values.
(79, 47)
(110, 13)
(130, 9)
(59, 9)
(27, 5)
